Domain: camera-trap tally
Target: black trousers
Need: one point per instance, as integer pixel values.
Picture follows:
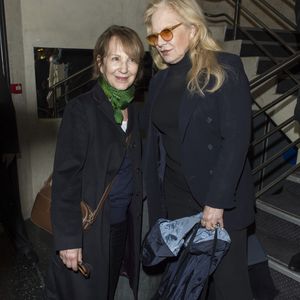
(10, 208)
(231, 278)
(230, 281)
(117, 243)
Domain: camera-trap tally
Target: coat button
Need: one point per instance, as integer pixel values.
(210, 146)
(210, 172)
(133, 145)
(138, 170)
(209, 120)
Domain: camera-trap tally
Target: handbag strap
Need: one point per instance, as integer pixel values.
(102, 199)
(206, 282)
(182, 259)
(108, 187)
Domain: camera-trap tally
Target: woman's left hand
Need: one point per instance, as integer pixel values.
(71, 258)
(212, 218)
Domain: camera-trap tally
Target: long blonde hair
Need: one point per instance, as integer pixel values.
(202, 48)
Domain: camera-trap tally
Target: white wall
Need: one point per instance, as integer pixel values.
(65, 24)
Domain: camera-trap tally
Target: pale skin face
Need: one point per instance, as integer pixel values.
(117, 67)
(171, 51)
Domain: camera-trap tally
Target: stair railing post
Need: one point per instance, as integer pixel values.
(237, 12)
(267, 128)
(54, 103)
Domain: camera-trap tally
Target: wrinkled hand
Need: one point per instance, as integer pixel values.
(212, 218)
(7, 158)
(71, 257)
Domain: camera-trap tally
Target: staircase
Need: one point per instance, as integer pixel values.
(278, 201)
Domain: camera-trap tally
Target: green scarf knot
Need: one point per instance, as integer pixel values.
(119, 99)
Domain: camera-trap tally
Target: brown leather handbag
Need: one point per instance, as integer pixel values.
(40, 213)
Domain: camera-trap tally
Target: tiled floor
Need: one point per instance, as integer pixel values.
(19, 279)
(22, 281)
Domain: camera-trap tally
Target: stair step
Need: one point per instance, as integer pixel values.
(218, 32)
(261, 35)
(250, 66)
(295, 177)
(233, 47)
(265, 64)
(275, 226)
(288, 288)
(285, 84)
(275, 49)
(280, 239)
(284, 205)
(275, 211)
(279, 249)
(283, 269)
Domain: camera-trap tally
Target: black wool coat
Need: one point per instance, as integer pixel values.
(215, 133)
(89, 153)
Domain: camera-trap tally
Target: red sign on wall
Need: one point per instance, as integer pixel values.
(16, 88)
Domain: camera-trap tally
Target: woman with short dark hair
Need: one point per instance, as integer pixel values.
(98, 145)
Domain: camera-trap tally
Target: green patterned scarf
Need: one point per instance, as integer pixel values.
(119, 99)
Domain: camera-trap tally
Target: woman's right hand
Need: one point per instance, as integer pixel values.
(71, 258)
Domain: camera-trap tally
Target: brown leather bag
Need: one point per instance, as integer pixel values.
(40, 213)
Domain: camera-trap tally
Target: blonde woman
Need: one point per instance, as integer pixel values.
(198, 117)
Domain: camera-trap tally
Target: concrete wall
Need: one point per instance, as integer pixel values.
(67, 24)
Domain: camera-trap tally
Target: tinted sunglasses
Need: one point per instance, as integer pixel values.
(166, 34)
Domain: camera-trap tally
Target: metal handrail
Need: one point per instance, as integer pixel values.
(274, 70)
(263, 25)
(236, 22)
(54, 86)
(278, 14)
(278, 100)
(259, 80)
(275, 156)
(277, 180)
(276, 129)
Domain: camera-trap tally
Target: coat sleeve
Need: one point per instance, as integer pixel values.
(235, 126)
(71, 151)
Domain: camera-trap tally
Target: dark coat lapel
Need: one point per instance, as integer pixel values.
(157, 87)
(187, 107)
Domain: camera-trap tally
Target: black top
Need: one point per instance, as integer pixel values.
(165, 118)
(121, 192)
